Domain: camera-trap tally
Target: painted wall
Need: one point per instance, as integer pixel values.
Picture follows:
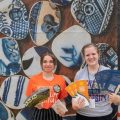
(67, 20)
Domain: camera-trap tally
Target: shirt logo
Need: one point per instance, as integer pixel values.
(56, 88)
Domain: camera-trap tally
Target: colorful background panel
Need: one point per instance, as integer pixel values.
(13, 19)
(10, 61)
(67, 46)
(31, 60)
(13, 91)
(44, 22)
(5, 113)
(93, 15)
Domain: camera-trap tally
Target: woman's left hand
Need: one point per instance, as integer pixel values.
(113, 98)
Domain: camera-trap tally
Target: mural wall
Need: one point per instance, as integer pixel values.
(28, 28)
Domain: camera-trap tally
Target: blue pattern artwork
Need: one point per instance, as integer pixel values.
(49, 26)
(108, 56)
(61, 2)
(77, 60)
(10, 62)
(44, 22)
(33, 18)
(93, 15)
(67, 46)
(5, 113)
(17, 92)
(13, 19)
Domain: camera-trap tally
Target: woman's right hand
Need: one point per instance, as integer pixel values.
(78, 103)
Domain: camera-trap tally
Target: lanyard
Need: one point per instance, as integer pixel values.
(94, 84)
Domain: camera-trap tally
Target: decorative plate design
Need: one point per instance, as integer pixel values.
(13, 91)
(67, 46)
(13, 19)
(5, 113)
(61, 2)
(44, 22)
(10, 61)
(31, 60)
(108, 56)
(93, 15)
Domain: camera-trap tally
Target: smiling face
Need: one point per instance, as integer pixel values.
(91, 55)
(48, 64)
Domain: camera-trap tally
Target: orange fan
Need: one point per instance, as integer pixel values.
(78, 89)
(82, 87)
(71, 89)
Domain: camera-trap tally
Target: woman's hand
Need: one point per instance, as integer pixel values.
(78, 103)
(59, 107)
(113, 98)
